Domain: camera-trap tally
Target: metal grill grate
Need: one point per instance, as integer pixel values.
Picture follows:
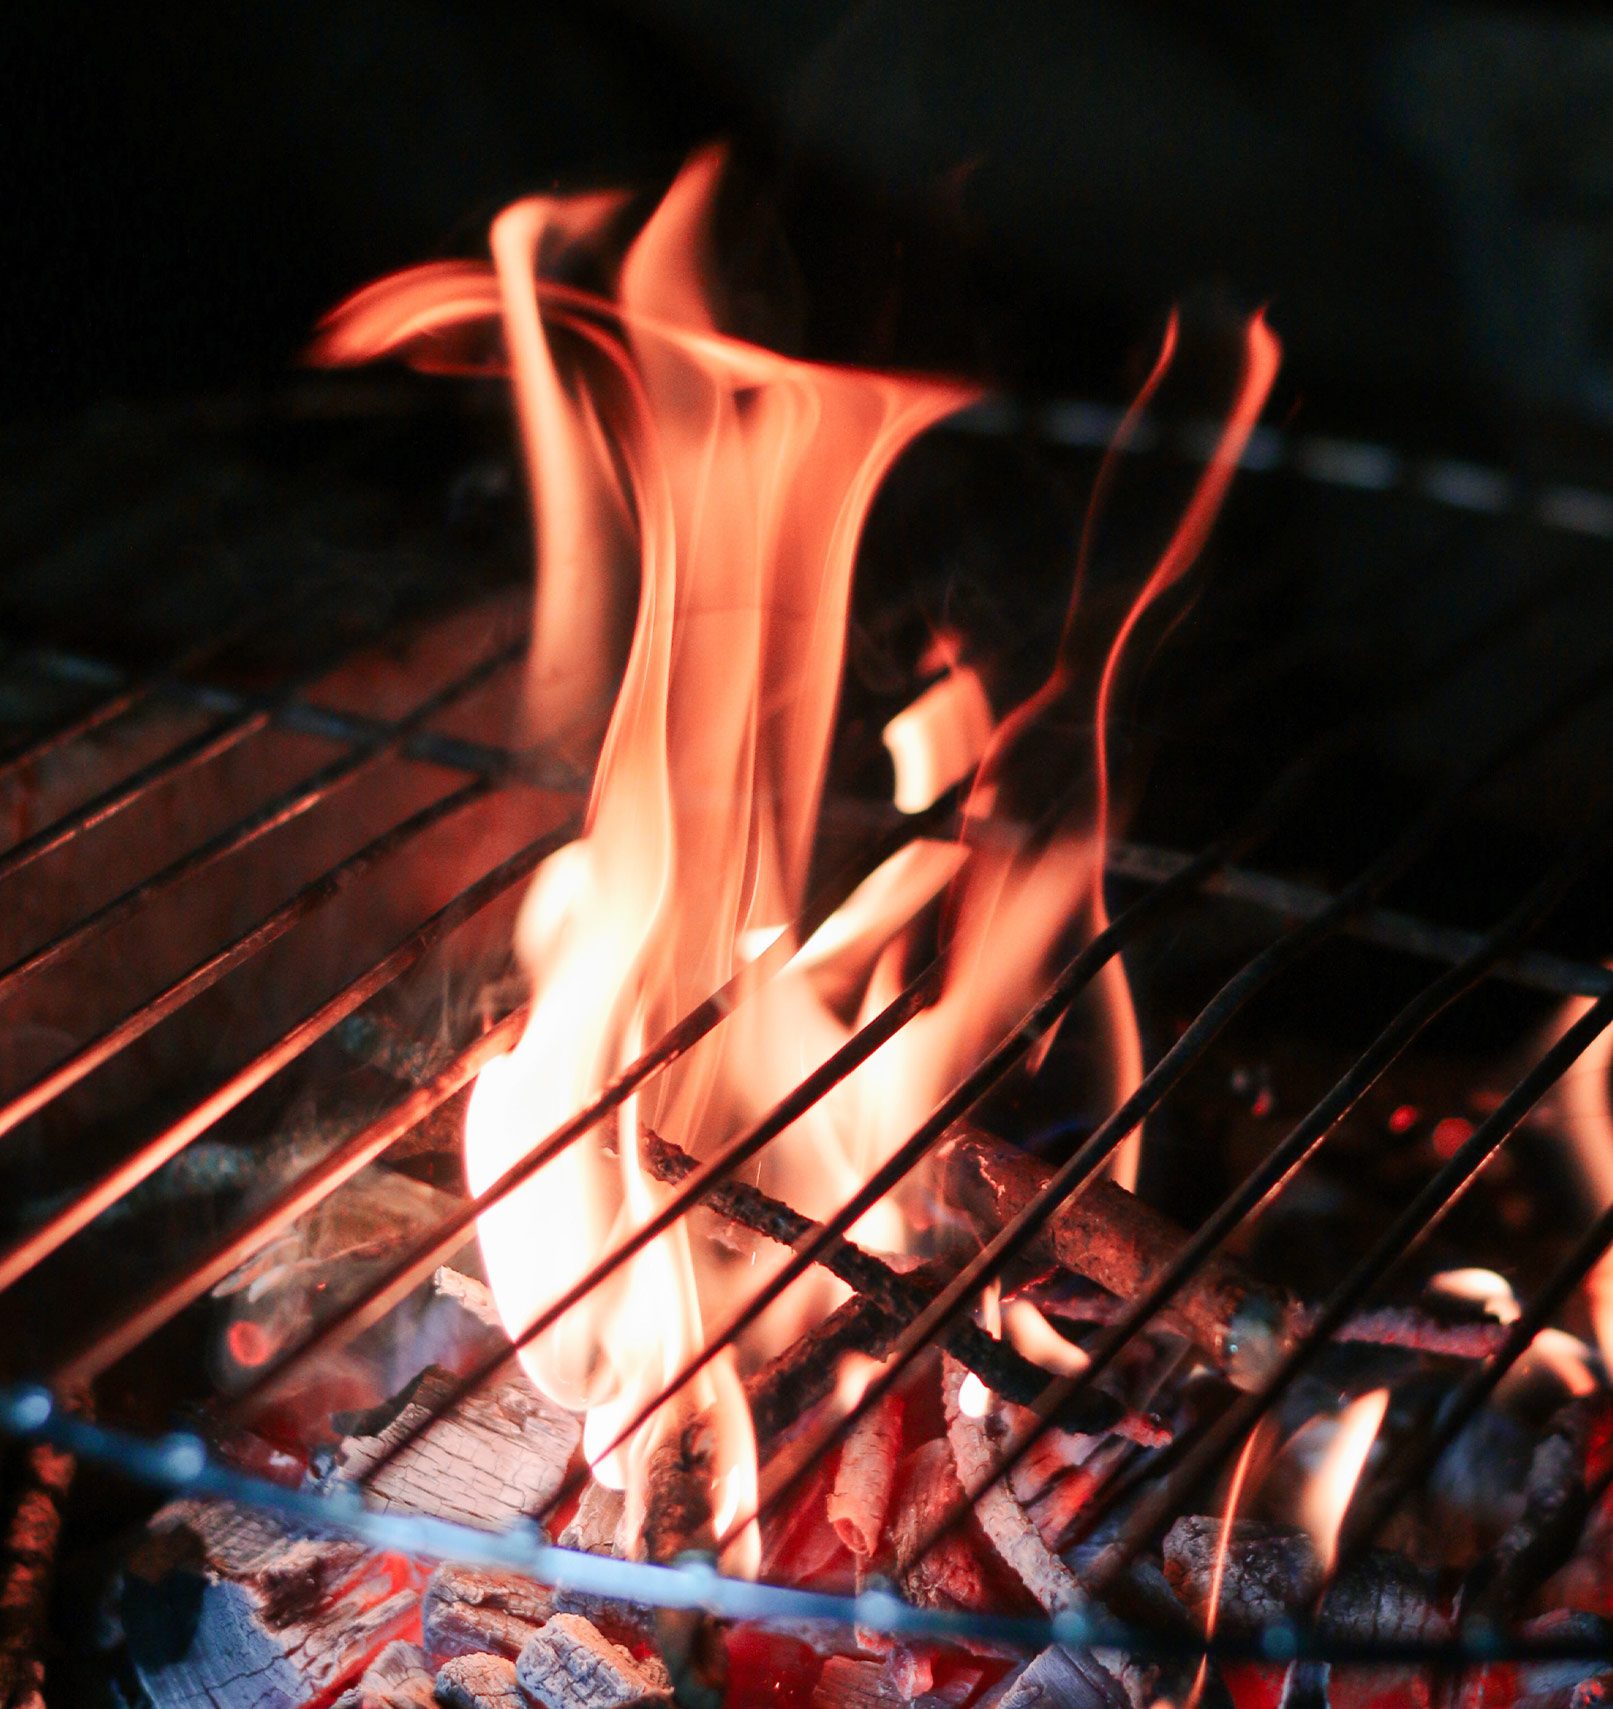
(1303, 917)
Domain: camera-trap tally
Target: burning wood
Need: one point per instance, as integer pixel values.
(1009, 1527)
(947, 1575)
(1271, 1573)
(847, 1683)
(900, 1297)
(479, 1682)
(28, 1562)
(499, 1454)
(1061, 1677)
(260, 1610)
(866, 1478)
(398, 1678)
(571, 1665)
(467, 1611)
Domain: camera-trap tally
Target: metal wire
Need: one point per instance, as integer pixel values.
(1083, 1167)
(1281, 1164)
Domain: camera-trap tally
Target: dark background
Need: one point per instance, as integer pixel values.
(1424, 194)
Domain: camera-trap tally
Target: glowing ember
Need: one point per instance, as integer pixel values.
(724, 487)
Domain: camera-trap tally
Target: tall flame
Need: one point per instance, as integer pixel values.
(1327, 1496)
(737, 481)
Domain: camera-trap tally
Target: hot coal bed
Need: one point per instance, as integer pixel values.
(1324, 1416)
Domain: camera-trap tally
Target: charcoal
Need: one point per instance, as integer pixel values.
(1059, 1678)
(479, 1682)
(468, 1612)
(398, 1678)
(570, 1664)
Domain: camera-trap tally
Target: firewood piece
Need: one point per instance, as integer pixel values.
(866, 1478)
(501, 1453)
(398, 1678)
(1115, 1240)
(571, 1665)
(948, 1574)
(1059, 1678)
(479, 1682)
(1005, 1522)
(1556, 1505)
(1271, 1573)
(468, 1612)
(847, 1683)
(596, 1528)
(225, 1609)
(27, 1566)
(900, 1297)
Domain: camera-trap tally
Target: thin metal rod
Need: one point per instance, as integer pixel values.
(181, 1463)
(127, 693)
(1002, 1060)
(204, 974)
(210, 743)
(801, 1098)
(38, 1243)
(534, 768)
(102, 1349)
(1278, 1168)
(376, 1299)
(310, 792)
(1084, 1165)
(1191, 1458)
(1445, 1418)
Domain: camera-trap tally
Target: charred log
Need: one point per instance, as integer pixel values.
(571, 1665)
(467, 1612)
(27, 1566)
(398, 1678)
(900, 1297)
(479, 1682)
(1271, 1573)
(866, 1478)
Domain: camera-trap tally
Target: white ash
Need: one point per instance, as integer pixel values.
(499, 1454)
(479, 1682)
(571, 1664)
(467, 1611)
(398, 1678)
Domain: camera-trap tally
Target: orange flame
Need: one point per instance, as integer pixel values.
(1326, 1498)
(734, 482)
(1584, 1106)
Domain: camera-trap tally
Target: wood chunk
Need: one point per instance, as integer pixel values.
(398, 1678)
(470, 1612)
(479, 1682)
(948, 1573)
(1123, 1245)
(225, 1609)
(1059, 1679)
(32, 1528)
(846, 1683)
(866, 1478)
(570, 1664)
(596, 1528)
(1272, 1573)
(500, 1453)
(1007, 1525)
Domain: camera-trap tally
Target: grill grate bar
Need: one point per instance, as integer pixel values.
(40, 1241)
(1193, 1456)
(311, 792)
(1280, 1165)
(182, 1464)
(1086, 1163)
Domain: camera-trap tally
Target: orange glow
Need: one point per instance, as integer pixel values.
(938, 740)
(698, 503)
(1218, 1568)
(1326, 1498)
(1584, 1107)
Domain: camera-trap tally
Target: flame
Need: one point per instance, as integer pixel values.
(1584, 1105)
(1218, 1567)
(698, 503)
(1326, 1498)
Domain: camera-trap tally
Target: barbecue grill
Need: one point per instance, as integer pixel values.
(324, 790)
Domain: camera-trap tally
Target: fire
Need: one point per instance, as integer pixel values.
(698, 503)
(1584, 1107)
(1327, 1496)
